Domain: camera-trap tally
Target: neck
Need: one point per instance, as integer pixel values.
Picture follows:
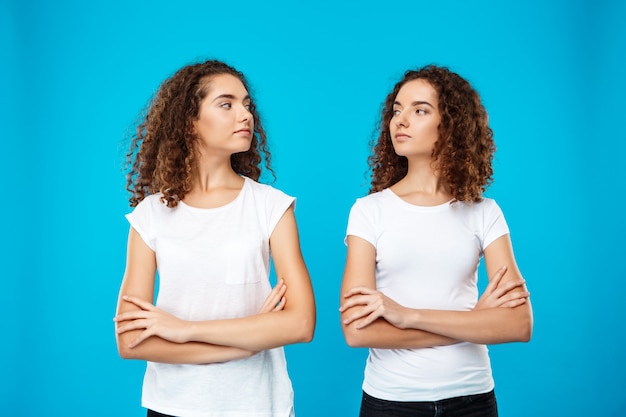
(422, 185)
(212, 173)
(422, 176)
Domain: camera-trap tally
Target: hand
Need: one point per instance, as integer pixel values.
(499, 294)
(276, 300)
(155, 321)
(375, 305)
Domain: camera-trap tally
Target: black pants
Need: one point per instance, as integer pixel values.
(479, 405)
(156, 414)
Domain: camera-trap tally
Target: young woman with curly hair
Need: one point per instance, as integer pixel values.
(409, 289)
(213, 340)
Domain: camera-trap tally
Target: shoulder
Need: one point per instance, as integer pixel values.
(371, 201)
(261, 189)
(485, 205)
(485, 217)
(150, 202)
(151, 206)
(368, 208)
(490, 208)
(267, 194)
(488, 203)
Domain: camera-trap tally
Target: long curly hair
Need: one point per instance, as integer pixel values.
(163, 151)
(464, 150)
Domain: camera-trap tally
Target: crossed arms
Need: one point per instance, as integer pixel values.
(146, 332)
(371, 319)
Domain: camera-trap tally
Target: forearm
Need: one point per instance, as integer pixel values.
(488, 326)
(382, 335)
(155, 349)
(258, 332)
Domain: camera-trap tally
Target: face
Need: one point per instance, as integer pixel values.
(225, 125)
(415, 120)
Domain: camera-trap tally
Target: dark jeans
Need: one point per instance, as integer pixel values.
(479, 405)
(152, 413)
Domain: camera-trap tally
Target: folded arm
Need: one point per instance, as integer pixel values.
(488, 323)
(360, 271)
(294, 322)
(139, 283)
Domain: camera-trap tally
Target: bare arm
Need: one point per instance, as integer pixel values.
(484, 326)
(293, 323)
(360, 271)
(139, 282)
(488, 326)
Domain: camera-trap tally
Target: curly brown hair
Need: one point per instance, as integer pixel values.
(465, 148)
(162, 153)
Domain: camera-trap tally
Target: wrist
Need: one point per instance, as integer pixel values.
(411, 319)
(190, 332)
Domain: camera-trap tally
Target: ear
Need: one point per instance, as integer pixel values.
(192, 127)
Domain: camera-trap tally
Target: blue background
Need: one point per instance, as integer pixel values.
(74, 75)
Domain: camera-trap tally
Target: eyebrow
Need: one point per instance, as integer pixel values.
(415, 103)
(231, 97)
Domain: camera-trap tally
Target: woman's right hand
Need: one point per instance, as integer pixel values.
(497, 294)
(276, 300)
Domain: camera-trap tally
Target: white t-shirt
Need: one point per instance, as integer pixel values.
(214, 264)
(427, 258)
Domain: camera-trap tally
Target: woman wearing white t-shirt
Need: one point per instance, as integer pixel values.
(409, 289)
(213, 341)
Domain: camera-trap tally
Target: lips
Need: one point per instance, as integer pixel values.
(402, 136)
(243, 131)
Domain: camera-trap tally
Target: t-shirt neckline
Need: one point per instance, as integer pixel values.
(399, 200)
(215, 209)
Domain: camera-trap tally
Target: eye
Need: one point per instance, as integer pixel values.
(421, 112)
(226, 105)
(248, 106)
(395, 112)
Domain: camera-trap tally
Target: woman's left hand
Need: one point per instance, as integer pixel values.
(153, 320)
(374, 305)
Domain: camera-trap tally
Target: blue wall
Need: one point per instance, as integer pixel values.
(75, 74)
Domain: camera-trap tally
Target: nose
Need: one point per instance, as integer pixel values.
(244, 114)
(400, 119)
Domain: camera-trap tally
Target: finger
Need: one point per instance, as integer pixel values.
(358, 290)
(281, 292)
(495, 279)
(274, 298)
(131, 315)
(508, 286)
(133, 325)
(369, 319)
(142, 336)
(514, 296)
(280, 287)
(514, 303)
(356, 300)
(138, 302)
(359, 313)
(281, 304)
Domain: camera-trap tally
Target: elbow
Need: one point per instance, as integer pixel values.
(527, 331)
(353, 337)
(307, 331)
(524, 331)
(307, 336)
(124, 350)
(303, 330)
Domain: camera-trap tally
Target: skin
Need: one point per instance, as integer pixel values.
(370, 318)
(224, 126)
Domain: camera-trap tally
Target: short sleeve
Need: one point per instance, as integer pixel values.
(494, 223)
(277, 204)
(142, 220)
(361, 222)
